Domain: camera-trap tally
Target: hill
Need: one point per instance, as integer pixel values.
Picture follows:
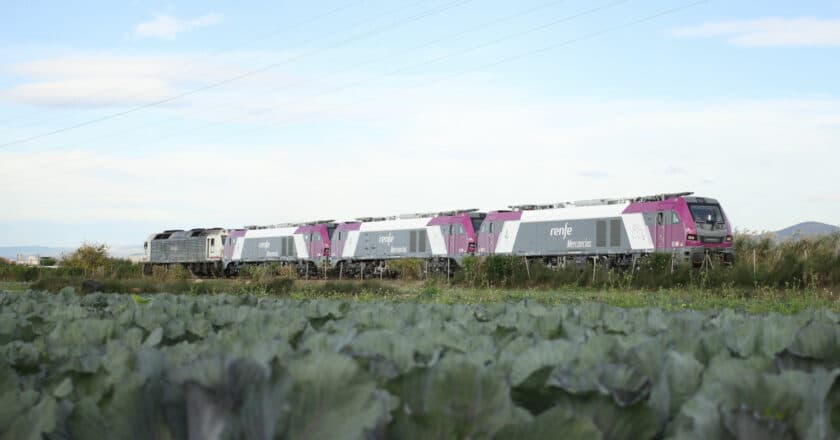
(11, 252)
(805, 229)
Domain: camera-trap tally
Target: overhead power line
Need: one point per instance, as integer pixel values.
(195, 60)
(508, 59)
(511, 58)
(459, 52)
(238, 77)
(451, 36)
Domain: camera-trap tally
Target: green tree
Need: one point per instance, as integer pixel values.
(91, 258)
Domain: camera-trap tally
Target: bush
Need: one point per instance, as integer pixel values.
(495, 271)
(352, 288)
(267, 272)
(11, 272)
(812, 263)
(171, 273)
(407, 268)
(280, 286)
(90, 258)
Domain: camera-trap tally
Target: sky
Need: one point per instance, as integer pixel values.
(119, 119)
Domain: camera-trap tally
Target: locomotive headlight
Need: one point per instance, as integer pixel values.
(691, 237)
(729, 239)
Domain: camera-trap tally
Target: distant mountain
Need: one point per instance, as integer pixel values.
(805, 229)
(11, 252)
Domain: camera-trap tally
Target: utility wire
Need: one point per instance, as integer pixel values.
(512, 58)
(234, 78)
(504, 60)
(145, 124)
(195, 60)
(405, 68)
(372, 61)
(356, 24)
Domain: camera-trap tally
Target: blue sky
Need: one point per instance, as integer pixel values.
(371, 107)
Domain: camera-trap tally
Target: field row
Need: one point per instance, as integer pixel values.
(225, 366)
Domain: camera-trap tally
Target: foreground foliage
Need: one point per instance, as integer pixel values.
(807, 263)
(223, 366)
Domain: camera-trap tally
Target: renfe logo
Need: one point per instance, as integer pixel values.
(564, 232)
(386, 239)
(264, 245)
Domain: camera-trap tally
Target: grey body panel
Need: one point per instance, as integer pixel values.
(268, 249)
(406, 243)
(573, 237)
(179, 250)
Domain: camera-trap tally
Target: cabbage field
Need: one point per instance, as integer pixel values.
(240, 366)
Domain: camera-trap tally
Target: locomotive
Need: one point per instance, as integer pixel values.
(442, 239)
(613, 232)
(307, 244)
(617, 231)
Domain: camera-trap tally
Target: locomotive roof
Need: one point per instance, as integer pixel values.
(472, 212)
(180, 233)
(600, 202)
(291, 225)
(701, 200)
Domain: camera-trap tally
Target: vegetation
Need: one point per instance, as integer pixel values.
(244, 366)
(812, 263)
(47, 261)
(785, 277)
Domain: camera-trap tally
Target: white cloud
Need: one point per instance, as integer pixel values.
(769, 32)
(455, 150)
(87, 92)
(97, 80)
(167, 27)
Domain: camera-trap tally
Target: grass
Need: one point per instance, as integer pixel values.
(767, 276)
(750, 301)
(13, 286)
(761, 300)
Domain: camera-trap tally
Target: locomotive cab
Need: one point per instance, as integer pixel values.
(707, 230)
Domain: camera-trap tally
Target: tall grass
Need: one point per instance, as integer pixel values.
(761, 263)
(812, 263)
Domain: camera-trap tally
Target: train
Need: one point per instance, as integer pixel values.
(612, 232)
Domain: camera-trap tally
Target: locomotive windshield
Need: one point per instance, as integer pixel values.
(707, 216)
(476, 222)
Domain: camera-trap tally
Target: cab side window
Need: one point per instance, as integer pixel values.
(675, 218)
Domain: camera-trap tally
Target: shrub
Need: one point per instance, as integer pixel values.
(171, 273)
(91, 258)
(266, 272)
(407, 268)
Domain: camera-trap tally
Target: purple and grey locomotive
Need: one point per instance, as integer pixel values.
(199, 250)
(305, 244)
(617, 231)
(442, 239)
(613, 231)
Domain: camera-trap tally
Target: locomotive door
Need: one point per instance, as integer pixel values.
(316, 245)
(449, 238)
(310, 244)
(491, 238)
(660, 239)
